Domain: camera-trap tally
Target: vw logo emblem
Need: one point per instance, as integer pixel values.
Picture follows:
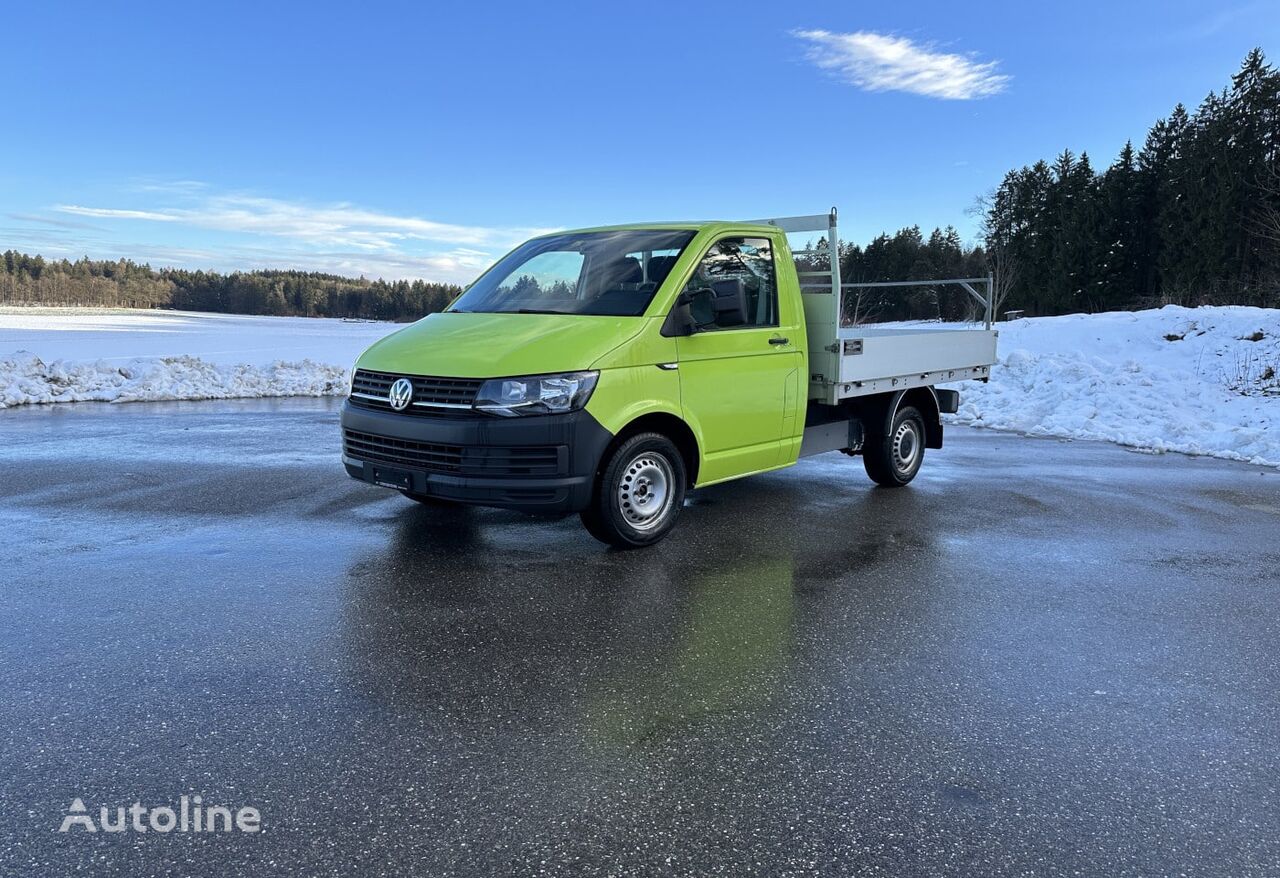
(400, 394)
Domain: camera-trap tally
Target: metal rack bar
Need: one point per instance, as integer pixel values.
(819, 222)
(919, 283)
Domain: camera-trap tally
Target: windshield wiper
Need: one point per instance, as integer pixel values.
(538, 311)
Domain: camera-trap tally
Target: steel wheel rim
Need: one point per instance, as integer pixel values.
(646, 490)
(906, 446)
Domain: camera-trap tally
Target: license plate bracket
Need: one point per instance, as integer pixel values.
(389, 477)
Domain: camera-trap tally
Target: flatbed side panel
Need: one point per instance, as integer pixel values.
(832, 394)
(881, 360)
(886, 353)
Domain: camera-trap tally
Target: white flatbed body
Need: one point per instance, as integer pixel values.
(860, 360)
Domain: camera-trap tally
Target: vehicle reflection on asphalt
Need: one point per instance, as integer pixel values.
(730, 648)
(501, 618)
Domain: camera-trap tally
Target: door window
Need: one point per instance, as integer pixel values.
(740, 276)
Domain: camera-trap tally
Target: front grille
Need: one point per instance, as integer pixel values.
(497, 460)
(431, 396)
(420, 455)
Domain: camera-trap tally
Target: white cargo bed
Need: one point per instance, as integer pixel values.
(871, 359)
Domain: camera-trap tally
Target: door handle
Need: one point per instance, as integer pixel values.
(777, 339)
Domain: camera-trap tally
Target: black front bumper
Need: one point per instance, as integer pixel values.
(537, 464)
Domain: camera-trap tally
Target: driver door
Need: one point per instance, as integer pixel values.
(740, 371)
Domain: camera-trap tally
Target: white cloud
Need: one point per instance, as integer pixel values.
(260, 232)
(450, 266)
(115, 213)
(162, 184)
(334, 225)
(880, 62)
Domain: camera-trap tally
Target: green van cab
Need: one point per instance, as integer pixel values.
(608, 371)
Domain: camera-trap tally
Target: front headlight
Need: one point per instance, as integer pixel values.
(536, 394)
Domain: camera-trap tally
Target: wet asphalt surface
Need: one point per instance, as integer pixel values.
(1041, 658)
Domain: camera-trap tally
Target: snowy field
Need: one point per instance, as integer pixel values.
(1198, 381)
(80, 354)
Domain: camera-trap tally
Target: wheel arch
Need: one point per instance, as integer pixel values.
(669, 425)
(925, 401)
(879, 410)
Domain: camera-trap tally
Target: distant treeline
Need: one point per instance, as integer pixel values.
(125, 284)
(1192, 217)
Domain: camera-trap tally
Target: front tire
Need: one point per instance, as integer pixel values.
(638, 493)
(893, 461)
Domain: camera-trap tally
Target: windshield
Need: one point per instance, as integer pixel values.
(607, 273)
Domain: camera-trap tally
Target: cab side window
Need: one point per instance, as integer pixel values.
(739, 274)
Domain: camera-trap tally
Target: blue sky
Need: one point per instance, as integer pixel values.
(423, 139)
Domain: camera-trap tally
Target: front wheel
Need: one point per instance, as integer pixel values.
(638, 493)
(894, 460)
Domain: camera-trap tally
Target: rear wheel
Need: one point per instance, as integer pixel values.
(894, 460)
(638, 493)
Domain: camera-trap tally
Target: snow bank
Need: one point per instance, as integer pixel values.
(1197, 381)
(116, 355)
(1172, 379)
(25, 378)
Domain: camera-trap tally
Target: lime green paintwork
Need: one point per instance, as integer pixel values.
(731, 640)
(741, 390)
(499, 345)
(631, 385)
(742, 397)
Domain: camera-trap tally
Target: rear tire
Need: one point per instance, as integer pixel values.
(894, 460)
(638, 493)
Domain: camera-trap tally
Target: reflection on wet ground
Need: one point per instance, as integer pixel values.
(1041, 657)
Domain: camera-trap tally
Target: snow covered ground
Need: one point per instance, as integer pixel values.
(1200, 381)
(115, 335)
(1194, 380)
(79, 354)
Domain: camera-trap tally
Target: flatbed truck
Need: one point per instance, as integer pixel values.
(608, 371)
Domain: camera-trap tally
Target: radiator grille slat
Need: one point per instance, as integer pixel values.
(456, 459)
(426, 389)
(419, 455)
